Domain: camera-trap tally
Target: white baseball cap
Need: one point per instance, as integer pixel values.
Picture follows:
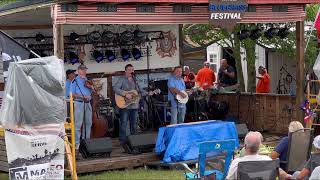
(316, 142)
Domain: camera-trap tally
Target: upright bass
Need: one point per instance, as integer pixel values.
(99, 122)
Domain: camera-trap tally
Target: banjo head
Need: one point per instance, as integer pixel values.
(181, 99)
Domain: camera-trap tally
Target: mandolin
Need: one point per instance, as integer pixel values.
(123, 102)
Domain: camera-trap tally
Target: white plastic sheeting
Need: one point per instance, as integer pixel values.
(316, 66)
(34, 93)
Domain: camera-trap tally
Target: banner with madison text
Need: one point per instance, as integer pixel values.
(37, 153)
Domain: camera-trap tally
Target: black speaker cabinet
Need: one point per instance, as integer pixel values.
(142, 142)
(97, 147)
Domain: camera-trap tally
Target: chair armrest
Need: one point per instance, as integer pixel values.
(186, 167)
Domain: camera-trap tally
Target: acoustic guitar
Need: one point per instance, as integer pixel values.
(123, 102)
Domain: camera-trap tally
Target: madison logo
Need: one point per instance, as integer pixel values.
(166, 47)
(226, 13)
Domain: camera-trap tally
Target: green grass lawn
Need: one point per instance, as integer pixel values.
(136, 174)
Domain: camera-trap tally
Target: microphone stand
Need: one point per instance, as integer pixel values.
(148, 80)
(139, 93)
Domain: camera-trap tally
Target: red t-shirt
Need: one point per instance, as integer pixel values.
(263, 85)
(205, 78)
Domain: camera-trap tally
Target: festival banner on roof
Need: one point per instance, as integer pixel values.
(226, 13)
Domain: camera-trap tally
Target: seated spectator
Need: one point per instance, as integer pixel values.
(252, 142)
(280, 151)
(315, 174)
(305, 172)
(263, 150)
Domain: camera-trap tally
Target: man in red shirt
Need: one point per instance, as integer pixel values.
(189, 77)
(205, 77)
(263, 85)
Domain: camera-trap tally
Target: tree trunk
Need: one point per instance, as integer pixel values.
(237, 57)
(249, 46)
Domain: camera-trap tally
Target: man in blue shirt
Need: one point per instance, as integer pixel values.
(82, 107)
(176, 86)
(70, 77)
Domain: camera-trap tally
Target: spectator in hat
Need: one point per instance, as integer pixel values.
(280, 151)
(306, 170)
(70, 73)
(205, 77)
(263, 85)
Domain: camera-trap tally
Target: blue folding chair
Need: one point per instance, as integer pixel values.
(225, 146)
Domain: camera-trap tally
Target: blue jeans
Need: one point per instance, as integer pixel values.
(177, 114)
(79, 108)
(125, 116)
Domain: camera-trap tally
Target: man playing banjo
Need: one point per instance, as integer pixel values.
(177, 89)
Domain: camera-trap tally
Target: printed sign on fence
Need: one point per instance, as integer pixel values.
(35, 156)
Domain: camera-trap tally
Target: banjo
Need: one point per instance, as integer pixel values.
(182, 100)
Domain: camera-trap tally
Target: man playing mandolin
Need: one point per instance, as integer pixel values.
(177, 88)
(127, 87)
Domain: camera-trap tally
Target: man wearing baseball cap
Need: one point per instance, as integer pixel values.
(205, 77)
(82, 107)
(70, 74)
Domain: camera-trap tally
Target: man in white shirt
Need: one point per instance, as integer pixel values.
(252, 142)
(315, 174)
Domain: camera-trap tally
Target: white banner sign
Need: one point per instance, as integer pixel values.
(39, 156)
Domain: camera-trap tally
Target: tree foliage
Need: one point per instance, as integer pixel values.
(205, 34)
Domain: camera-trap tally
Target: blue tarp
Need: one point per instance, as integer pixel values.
(181, 142)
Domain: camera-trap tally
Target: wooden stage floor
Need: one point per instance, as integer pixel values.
(118, 160)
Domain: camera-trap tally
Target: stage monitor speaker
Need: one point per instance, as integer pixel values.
(162, 85)
(242, 130)
(97, 147)
(142, 142)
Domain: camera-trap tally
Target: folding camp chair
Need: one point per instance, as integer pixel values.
(296, 157)
(258, 170)
(225, 146)
(315, 161)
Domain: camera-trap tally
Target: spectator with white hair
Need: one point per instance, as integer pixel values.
(252, 143)
(280, 151)
(262, 148)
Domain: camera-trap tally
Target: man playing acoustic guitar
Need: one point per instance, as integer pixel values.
(176, 87)
(127, 87)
